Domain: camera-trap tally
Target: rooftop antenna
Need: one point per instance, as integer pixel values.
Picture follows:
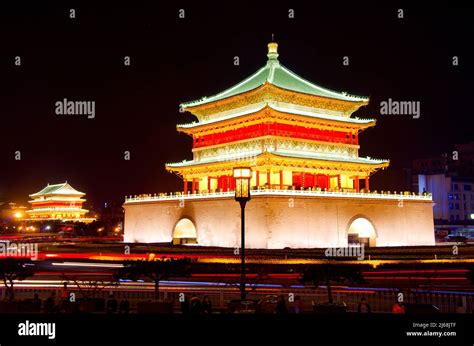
(273, 37)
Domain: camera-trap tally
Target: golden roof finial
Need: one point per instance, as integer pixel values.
(273, 49)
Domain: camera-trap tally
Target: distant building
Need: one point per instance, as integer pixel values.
(431, 165)
(459, 162)
(453, 196)
(464, 165)
(450, 178)
(58, 202)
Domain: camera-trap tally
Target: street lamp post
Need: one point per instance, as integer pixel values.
(242, 176)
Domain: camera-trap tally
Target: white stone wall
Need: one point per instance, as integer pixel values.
(277, 222)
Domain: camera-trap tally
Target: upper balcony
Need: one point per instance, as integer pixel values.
(310, 192)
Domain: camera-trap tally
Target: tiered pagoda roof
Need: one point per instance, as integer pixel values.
(277, 75)
(58, 189)
(275, 94)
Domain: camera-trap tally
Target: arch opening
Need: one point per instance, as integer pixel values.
(361, 231)
(184, 233)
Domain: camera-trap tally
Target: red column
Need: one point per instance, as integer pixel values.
(302, 180)
(281, 180)
(209, 184)
(193, 185)
(257, 176)
(356, 184)
(268, 178)
(185, 188)
(367, 183)
(225, 182)
(339, 181)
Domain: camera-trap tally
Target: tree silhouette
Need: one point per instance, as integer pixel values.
(89, 288)
(317, 275)
(156, 270)
(12, 269)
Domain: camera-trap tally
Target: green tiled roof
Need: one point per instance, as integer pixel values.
(63, 188)
(280, 109)
(277, 74)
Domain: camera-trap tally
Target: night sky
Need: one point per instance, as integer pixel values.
(175, 60)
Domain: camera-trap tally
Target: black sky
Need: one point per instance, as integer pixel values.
(175, 60)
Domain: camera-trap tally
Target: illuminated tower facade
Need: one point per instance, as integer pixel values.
(310, 187)
(292, 133)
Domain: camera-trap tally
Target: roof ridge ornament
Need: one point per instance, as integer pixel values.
(272, 50)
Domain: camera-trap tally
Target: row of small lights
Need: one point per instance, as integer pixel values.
(205, 192)
(185, 161)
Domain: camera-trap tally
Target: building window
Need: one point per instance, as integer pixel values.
(455, 186)
(457, 217)
(467, 187)
(456, 206)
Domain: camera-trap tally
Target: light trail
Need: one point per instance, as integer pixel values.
(412, 271)
(172, 285)
(231, 259)
(84, 264)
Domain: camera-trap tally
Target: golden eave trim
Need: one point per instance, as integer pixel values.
(271, 161)
(269, 114)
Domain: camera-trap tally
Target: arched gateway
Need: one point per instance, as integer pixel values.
(361, 231)
(184, 232)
